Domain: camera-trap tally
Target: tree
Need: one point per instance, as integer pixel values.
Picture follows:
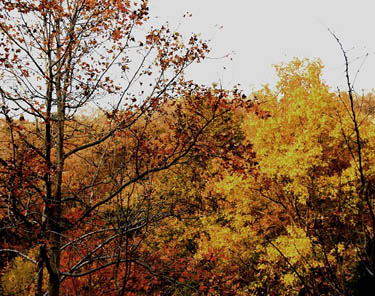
(358, 141)
(309, 174)
(294, 223)
(76, 188)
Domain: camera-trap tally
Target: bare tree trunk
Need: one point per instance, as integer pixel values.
(39, 287)
(55, 238)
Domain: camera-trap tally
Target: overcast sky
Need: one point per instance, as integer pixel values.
(266, 32)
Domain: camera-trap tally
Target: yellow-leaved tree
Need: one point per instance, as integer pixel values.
(307, 168)
(297, 223)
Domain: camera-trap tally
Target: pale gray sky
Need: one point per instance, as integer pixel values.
(266, 32)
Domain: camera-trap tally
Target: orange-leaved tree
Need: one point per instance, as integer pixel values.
(76, 190)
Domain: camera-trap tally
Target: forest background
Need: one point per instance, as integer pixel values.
(119, 175)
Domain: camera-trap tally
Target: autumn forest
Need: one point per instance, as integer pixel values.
(121, 177)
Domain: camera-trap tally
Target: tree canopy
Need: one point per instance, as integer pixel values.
(118, 176)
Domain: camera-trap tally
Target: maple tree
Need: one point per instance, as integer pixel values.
(292, 225)
(78, 189)
(312, 221)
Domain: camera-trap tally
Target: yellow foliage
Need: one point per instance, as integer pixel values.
(295, 246)
(289, 279)
(19, 276)
(292, 138)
